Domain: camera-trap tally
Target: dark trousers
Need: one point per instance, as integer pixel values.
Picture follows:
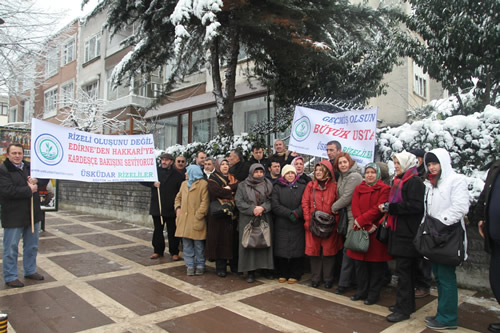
(322, 268)
(495, 269)
(446, 280)
(406, 269)
(424, 274)
(289, 267)
(370, 279)
(158, 238)
(347, 274)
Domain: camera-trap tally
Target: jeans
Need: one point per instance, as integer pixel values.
(11, 238)
(194, 248)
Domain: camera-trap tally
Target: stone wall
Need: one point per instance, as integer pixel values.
(130, 202)
(123, 201)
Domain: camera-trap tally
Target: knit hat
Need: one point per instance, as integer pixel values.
(287, 168)
(418, 152)
(430, 157)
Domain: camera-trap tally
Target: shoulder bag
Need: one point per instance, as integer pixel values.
(440, 243)
(383, 231)
(343, 222)
(220, 207)
(256, 234)
(357, 240)
(322, 223)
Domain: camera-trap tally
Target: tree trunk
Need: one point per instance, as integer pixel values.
(224, 97)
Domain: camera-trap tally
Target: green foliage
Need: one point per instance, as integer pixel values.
(459, 42)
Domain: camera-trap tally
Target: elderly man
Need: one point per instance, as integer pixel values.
(169, 183)
(237, 165)
(180, 165)
(282, 154)
(20, 203)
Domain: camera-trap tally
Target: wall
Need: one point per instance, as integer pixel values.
(122, 201)
(130, 202)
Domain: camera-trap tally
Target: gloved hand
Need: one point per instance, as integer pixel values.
(293, 217)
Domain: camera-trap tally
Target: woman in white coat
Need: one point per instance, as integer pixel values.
(447, 199)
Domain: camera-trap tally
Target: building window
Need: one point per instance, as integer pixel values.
(4, 109)
(51, 63)
(420, 81)
(93, 47)
(148, 85)
(13, 114)
(204, 125)
(25, 111)
(67, 94)
(50, 102)
(68, 52)
(115, 92)
(91, 90)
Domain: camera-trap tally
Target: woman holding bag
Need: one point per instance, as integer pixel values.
(220, 229)
(370, 266)
(406, 209)
(320, 194)
(253, 199)
(446, 199)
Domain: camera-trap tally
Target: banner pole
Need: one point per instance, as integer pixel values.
(32, 217)
(159, 204)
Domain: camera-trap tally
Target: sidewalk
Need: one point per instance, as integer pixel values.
(99, 278)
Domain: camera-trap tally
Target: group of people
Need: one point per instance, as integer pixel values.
(207, 206)
(278, 191)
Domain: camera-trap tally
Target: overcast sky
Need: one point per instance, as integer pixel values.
(70, 8)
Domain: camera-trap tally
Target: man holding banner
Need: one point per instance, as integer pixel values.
(21, 214)
(163, 194)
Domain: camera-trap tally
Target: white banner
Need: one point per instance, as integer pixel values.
(355, 130)
(63, 153)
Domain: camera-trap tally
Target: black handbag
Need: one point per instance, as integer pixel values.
(440, 243)
(343, 222)
(383, 231)
(221, 208)
(322, 224)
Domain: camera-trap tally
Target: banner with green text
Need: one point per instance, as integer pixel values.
(63, 153)
(354, 130)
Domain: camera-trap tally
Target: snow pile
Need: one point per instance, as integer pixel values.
(472, 141)
(217, 147)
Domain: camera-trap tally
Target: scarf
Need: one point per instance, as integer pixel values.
(434, 179)
(377, 170)
(293, 164)
(283, 181)
(396, 194)
(258, 189)
(194, 173)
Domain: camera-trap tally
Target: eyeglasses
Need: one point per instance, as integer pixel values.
(180, 162)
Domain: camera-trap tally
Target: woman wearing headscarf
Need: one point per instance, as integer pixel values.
(406, 209)
(220, 229)
(253, 198)
(289, 242)
(446, 199)
(298, 164)
(370, 266)
(192, 203)
(350, 177)
(321, 251)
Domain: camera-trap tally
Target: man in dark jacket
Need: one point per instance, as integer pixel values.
(237, 165)
(18, 193)
(487, 214)
(258, 156)
(169, 183)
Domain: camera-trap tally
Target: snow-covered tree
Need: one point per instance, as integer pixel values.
(23, 36)
(298, 48)
(457, 43)
(87, 113)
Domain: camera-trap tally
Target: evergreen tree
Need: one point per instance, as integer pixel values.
(458, 42)
(298, 48)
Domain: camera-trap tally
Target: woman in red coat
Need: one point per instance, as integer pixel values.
(322, 251)
(370, 266)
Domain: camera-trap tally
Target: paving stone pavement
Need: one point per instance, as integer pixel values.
(99, 278)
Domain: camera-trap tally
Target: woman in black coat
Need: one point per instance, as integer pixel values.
(289, 235)
(406, 210)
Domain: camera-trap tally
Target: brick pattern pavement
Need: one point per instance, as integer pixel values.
(99, 278)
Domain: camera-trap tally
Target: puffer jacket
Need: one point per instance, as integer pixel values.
(345, 188)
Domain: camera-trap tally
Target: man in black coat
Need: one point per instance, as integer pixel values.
(169, 184)
(237, 165)
(18, 193)
(487, 214)
(258, 156)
